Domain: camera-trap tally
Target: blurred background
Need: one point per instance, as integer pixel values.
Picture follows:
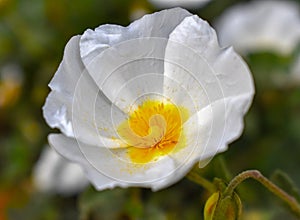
(33, 34)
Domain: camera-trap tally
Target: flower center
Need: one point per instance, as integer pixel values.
(153, 129)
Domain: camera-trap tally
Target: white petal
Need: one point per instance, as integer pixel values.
(217, 79)
(115, 55)
(68, 148)
(261, 25)
(53, 173)
(183, 160)
(70, 69)
(58, 104)
(110, 168)
(213, 73)
(76, 106)
(207, 133)
(156, 25)
(211, 130)
(186, 64)
(221, 72)
(183, 89)
(94, 117)
(57, 112)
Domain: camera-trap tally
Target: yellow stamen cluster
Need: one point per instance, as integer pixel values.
(153, 129)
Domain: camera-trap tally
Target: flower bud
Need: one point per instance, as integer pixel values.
(218, 207)
(210, 206)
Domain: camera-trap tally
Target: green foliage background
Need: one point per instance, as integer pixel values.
(33, 34)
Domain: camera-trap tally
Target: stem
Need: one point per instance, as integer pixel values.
(255, 174)
(224, 168)
(195, 177)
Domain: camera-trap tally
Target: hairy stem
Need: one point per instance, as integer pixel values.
(256, 175)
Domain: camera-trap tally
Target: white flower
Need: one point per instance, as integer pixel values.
(55, 174)
(261, 25)
(140, 105)
(191, 4)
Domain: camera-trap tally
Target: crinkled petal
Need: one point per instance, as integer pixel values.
(108, 168)
(156, 25)
(69, 70)
(185, 64)
(75, 104)
(215, 78)
(115, 55)
(213, 72)
(214, 127)
(261, 25)
(68, 147)
(94, 117)
(206, 136)
(57, 109)
(57, 112)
